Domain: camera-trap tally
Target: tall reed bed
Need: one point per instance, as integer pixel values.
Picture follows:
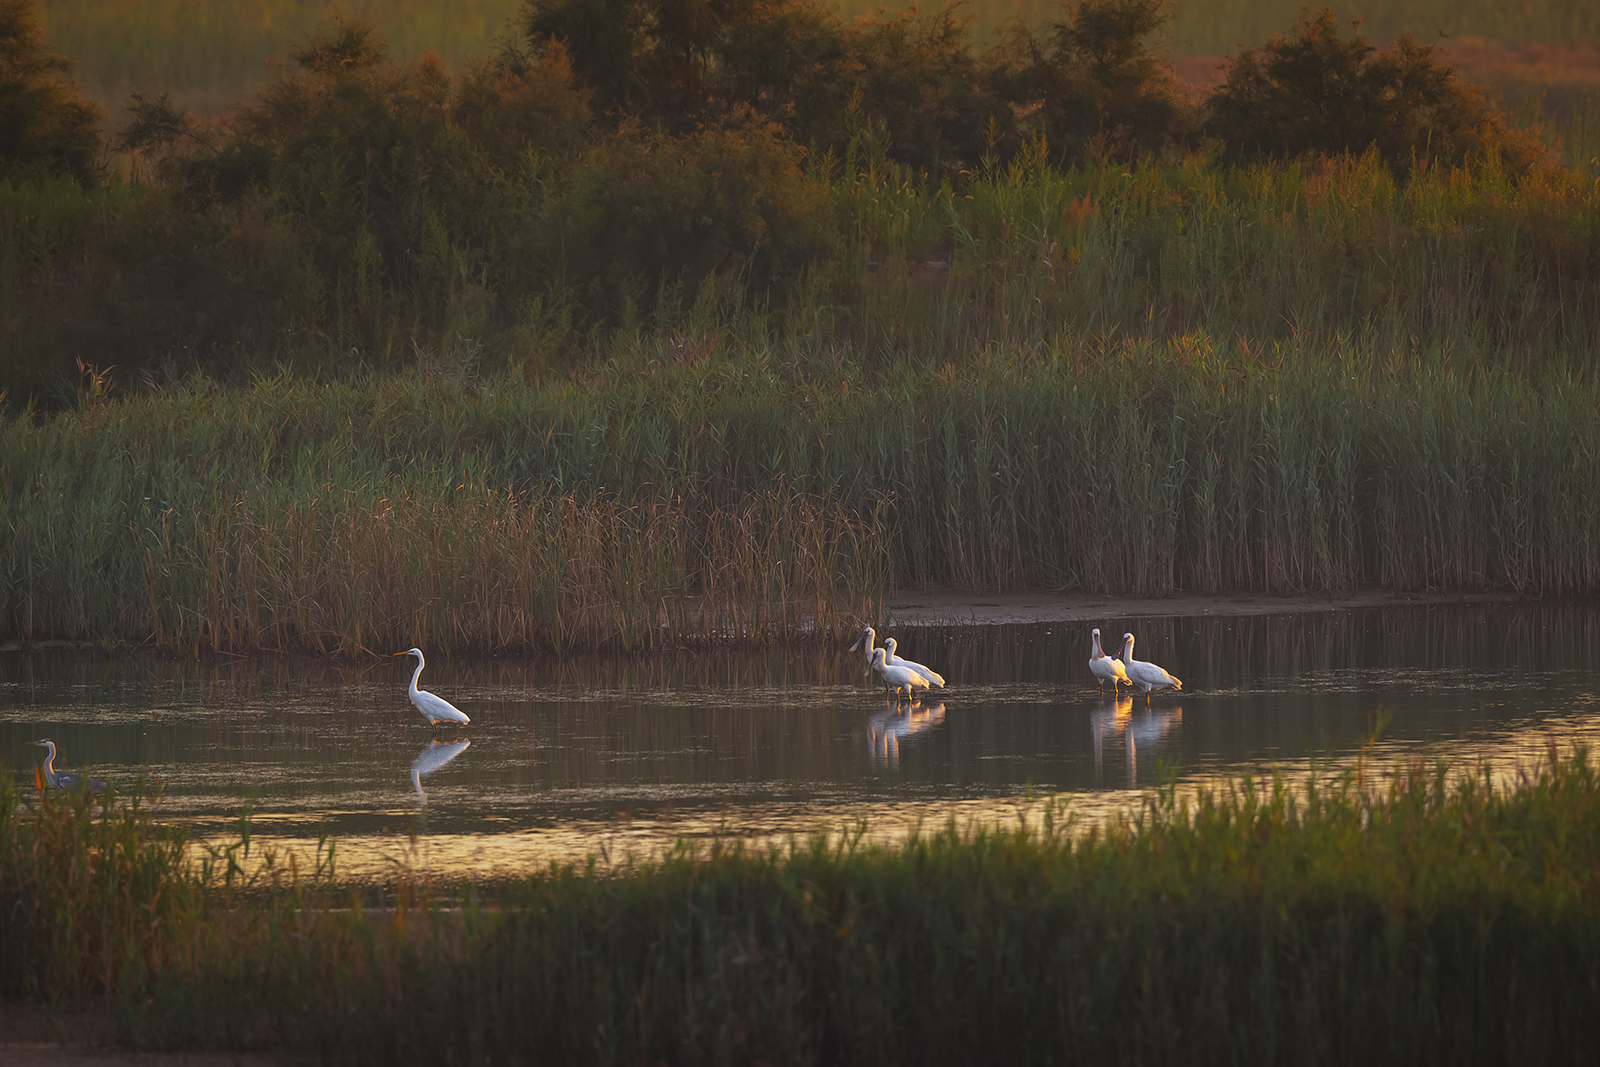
(1429, 917)
(763, 493)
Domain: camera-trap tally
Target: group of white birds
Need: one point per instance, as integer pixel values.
(902, 675)
(896, 672)
(909, 677)
(1124, 668)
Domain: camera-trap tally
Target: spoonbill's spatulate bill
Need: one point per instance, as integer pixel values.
(899, 677)
(65, 779)
(435, 709)
(867, 642)
(1104, 667)
(1146, 675)
(893, 660)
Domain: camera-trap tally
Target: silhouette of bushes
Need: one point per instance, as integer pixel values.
(45, 122)
(1090, 84)
(910, 81)
(1314, 91)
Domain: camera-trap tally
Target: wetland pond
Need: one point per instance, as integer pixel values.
(618, 756)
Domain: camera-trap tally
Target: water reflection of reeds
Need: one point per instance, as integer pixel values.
(775, 740)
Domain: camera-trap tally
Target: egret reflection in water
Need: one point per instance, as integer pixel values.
(891, 726)
(431, 758)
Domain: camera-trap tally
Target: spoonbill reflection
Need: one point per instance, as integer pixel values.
(899, 677)
(65, 779)
(888, 728)
(1145, 730)
(1108, 720)
(1104, 667)
(933, 677)
(1146, 675)
(430, 759)
(434, 709)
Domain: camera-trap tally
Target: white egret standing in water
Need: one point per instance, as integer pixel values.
(65, 779)
(434, 709)
(1143, 674)
(1104, 667)
(893, 660)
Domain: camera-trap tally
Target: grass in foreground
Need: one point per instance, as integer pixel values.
(1433, 919)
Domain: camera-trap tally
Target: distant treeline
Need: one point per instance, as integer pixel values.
(211, 53)
(623, 164)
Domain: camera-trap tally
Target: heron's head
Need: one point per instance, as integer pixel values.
(43, 742)
(411, 652)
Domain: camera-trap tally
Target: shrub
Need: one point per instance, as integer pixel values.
(1091, 85)
(647, 207)
(45, 122)
(1317, 92)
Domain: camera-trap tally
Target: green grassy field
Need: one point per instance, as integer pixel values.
(1431, 918)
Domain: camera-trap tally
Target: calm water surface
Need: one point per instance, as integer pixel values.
(617, 756)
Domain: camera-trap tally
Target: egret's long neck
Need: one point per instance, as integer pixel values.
(417, 673)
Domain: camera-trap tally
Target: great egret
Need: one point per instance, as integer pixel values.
(933, 678)
(1145, 675)
(65, 779)
(1104, 667)
(434, 709)
(899, 677)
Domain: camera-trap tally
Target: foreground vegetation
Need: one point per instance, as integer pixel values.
(1431, 919)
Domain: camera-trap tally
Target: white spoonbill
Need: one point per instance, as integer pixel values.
(899, 677)
(1104, 667)
(869, 638)
(1146, 675)
(934, 679)
(434, 709)
(65, 779)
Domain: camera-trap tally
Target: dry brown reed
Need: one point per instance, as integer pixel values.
(504, 570)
